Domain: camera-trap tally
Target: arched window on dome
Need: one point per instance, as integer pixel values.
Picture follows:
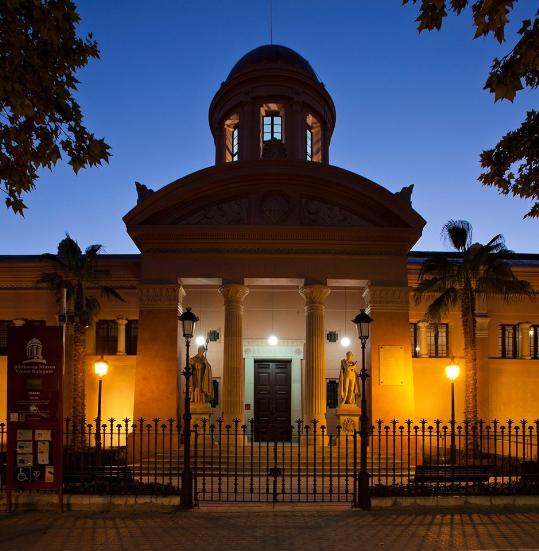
(313, 139)
(271, 123)
(232, 138)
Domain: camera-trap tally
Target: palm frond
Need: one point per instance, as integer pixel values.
(439, 307)
(458, 233)
(110, 292)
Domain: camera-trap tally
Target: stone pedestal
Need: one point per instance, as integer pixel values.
(199, 412)
(348, 418)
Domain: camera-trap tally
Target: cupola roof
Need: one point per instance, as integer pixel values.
(272, 54)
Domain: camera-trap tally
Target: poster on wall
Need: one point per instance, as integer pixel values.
(34, 407)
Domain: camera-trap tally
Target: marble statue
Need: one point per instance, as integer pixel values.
(201, 377)
(348, 380)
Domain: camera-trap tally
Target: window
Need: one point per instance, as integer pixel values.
(437, 340)
(332, 396)
(534, 342)
(131, 337)
(106, 337)
(272, 127)
(4, 324)
(414, 342)
(309, 144)
(235, 142)
(508, 341)
(215, 401)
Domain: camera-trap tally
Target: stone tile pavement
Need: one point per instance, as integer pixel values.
(265, 530)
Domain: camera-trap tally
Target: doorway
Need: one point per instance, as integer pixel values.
(272, 400)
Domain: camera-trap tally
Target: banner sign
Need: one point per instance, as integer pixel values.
(34, 407)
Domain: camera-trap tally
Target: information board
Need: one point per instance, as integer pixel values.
(34, 407)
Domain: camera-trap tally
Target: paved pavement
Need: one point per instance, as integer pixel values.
(342, 530)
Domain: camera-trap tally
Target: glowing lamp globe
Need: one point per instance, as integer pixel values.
(272, 340)
(101, 367)
(452, 371)
(200, 340)
(345, 341)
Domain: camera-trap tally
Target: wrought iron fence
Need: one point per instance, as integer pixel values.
(245, 463)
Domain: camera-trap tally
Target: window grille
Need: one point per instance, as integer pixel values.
(508, 342)
(437, 340)
(131, 337)
(534, 341)
(106, 333)
(332, 395)
(235, 142)
(414, 340)
(272, 128)
(309, 144)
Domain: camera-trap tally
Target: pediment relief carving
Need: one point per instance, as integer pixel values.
(317, 213)
(230, 212)
(273, 209)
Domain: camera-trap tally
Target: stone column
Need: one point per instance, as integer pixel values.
(525, 352)
(156, 376)
(423, 327)
(122, 322)
(233, 369)
(314, 406)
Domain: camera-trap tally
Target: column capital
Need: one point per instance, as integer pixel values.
(121, 321)
(314, 294)
(234, 292)
(423, 324)
(386, 299)
(160, 296)
(19, 322)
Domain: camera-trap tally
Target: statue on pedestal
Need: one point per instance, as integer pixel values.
(202, 384)
(348, 380)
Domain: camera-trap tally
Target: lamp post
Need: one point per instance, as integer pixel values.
(362, 322)
(188, 320)
(452, 372)
(101, 368)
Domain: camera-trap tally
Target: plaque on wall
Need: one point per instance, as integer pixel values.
(391, 365)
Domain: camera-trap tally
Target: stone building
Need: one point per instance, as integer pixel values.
(275, 241)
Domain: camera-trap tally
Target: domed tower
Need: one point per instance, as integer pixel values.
(272, 106)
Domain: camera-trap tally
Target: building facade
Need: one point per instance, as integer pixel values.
(275, 241)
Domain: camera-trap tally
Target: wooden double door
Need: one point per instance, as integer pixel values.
(272, 379)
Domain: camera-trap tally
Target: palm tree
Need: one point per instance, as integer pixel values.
(78, 274)
(475, 272)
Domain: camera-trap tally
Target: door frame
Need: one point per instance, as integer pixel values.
(259, 349)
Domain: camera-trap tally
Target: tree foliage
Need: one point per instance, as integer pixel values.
(475, 272)
(80, 275)
(513, 164)
(40, 119)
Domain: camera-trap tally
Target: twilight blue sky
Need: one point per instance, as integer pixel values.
(410, 109)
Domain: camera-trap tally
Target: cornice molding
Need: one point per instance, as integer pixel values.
(159, 296)
(386, 299)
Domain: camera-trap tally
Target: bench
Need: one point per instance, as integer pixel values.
(452, 474)
(92, 472)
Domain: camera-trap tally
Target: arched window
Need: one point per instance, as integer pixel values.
(232, 138)
(313, 139)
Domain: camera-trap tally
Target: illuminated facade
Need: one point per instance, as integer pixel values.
(275, 241)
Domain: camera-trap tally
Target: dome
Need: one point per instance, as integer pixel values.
(272, 54)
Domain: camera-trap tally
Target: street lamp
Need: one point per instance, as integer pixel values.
(189, 320)
(101, 368)
(452, 372)
(362, 322)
